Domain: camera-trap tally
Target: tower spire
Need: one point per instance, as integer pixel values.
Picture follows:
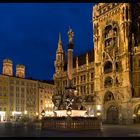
(59, 38)
(59, 48)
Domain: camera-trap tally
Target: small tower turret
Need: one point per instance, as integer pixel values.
(7, 67)
(20, 71)
(59, 62)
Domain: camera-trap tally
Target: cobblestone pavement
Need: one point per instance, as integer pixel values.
(24, 130)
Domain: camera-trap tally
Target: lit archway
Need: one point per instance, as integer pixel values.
(112, 115)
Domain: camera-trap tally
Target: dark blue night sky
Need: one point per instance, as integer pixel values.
(29, 34)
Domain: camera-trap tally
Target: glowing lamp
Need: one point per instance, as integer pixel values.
(25, 112)
(69, 112)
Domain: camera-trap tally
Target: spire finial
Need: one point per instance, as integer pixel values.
(59, 38)
(59, 48)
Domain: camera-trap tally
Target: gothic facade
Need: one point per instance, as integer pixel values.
(111, 71)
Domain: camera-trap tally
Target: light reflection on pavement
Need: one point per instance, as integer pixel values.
(22, 130)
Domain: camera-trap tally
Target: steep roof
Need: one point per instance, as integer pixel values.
(82, 59)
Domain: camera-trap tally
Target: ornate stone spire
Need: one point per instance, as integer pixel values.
(59, 38)
(59, 48)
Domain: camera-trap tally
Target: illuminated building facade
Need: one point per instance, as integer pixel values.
(111, 71)
(46, 91)
(19, 96)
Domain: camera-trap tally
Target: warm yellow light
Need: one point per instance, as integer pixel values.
(36, 113)
(2, 112)
(92, 115)
(69, 112)
(98, 113)
(15, 112)
(25, 112)
(75, 92)
(98, 107)
(139, 112)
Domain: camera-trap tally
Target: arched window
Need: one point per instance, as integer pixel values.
(108, 81)
(123, 14)
(108, 96)
(126, 13)
(108, 31)
(117, 66)
(110, 34)
(108, 67)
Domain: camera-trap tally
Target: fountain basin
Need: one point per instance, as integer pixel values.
(74, 113)
(71, 123)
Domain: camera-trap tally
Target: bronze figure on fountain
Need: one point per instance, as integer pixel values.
(67, 100)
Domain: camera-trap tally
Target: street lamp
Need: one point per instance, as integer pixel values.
(98, 113)
(98, 110)
(99, 107)
(25, 112)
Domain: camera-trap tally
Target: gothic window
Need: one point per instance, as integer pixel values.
(123, 13)
(126, 13)
(108, 30)
(91, 76)
(108, 81)
(108, 96)
(81, 79)
(117, 80)
(108, 67)
(84, 78)
(117, 66)
(92, 88)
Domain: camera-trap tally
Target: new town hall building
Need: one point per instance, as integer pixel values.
(110, 73)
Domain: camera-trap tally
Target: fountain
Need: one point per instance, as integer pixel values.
(67, 115)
